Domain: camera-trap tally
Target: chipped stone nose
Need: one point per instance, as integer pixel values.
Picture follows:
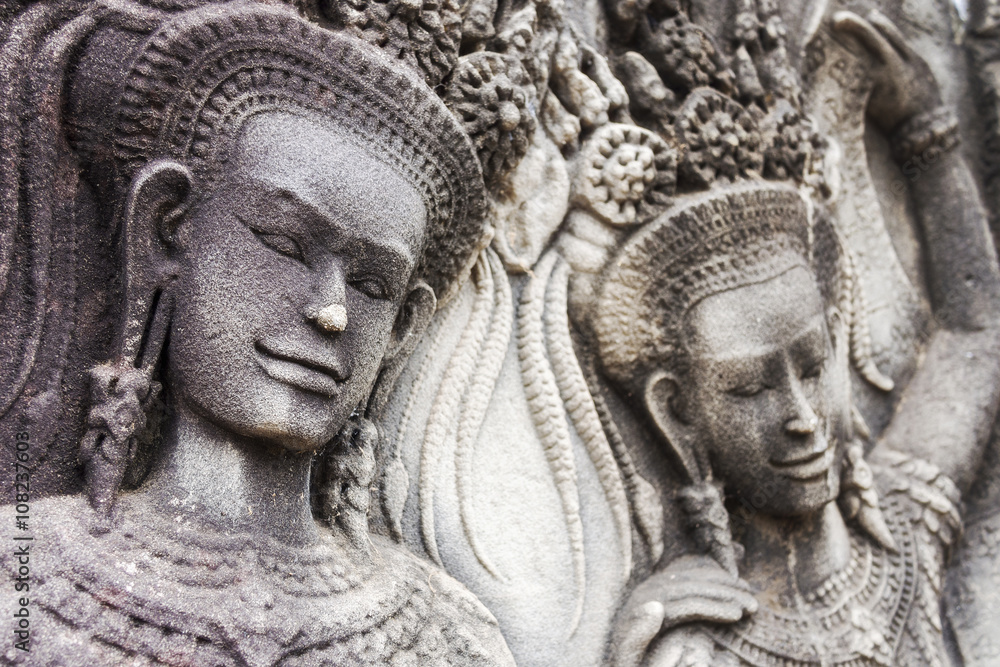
(801, 426)
(332, 318)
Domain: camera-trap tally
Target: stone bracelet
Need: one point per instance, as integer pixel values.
(936, 128)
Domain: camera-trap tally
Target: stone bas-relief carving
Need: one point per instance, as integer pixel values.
(761, 405)
(290, 203)
(711, 113)
(742, 369)
(532, 333)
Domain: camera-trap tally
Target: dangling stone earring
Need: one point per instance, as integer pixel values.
(349, 470)
(707, 519)
(858, 499)
(120, 397)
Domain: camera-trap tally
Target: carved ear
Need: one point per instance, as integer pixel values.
(157, 202)
(662, 403)
(414, 316)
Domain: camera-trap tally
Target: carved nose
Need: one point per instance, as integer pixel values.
(332, 318)
(802, 426)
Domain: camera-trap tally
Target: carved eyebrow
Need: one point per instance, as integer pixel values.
(813, 329)
(742, 365)
(810, 342)
(382, 250)
(387, 255)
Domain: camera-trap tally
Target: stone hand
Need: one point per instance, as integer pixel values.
(691, 589)
(904, 85)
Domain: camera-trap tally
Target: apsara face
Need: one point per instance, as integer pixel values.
(769, 392)
(293, 273)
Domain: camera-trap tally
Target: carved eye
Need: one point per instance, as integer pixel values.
(370, 286)
(748, 390)
(812, 372)
(281, 243)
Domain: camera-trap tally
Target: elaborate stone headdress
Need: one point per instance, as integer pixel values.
(96, 90)
(705, 244)
(750, 166)
(192, 84)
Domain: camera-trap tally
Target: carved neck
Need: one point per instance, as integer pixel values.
(812, 547)
(232, 483)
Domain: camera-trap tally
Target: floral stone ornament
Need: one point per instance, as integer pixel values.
(625, 175)
(494, 98)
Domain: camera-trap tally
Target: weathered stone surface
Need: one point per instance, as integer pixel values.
(546, 333)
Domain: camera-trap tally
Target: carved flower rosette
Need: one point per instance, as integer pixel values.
(625, 175)
(494, 99)
(722, 138)
(425, 34)
(684, 55)
(794, 146)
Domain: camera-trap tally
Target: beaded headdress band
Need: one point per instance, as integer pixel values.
(720, 240)
(201, 75)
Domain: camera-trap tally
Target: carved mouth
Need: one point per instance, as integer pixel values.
(808, 467)
(299, 370)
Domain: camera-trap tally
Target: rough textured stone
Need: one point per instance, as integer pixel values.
(549, 333)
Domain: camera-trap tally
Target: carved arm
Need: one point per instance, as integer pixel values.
(947, 409)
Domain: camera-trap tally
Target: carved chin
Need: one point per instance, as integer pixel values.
(813, 494)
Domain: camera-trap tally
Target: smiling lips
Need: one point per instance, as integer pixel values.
(299, 369)
(810, 467)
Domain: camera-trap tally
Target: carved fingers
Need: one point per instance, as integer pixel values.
(689, 647)
(877, 34)
(696, 588)
(892, 34)
(640, 628)
(691, 589)
(903, 83)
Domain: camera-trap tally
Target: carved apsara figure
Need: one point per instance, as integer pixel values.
(288, 205)
(730, 317)
(223, 225)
